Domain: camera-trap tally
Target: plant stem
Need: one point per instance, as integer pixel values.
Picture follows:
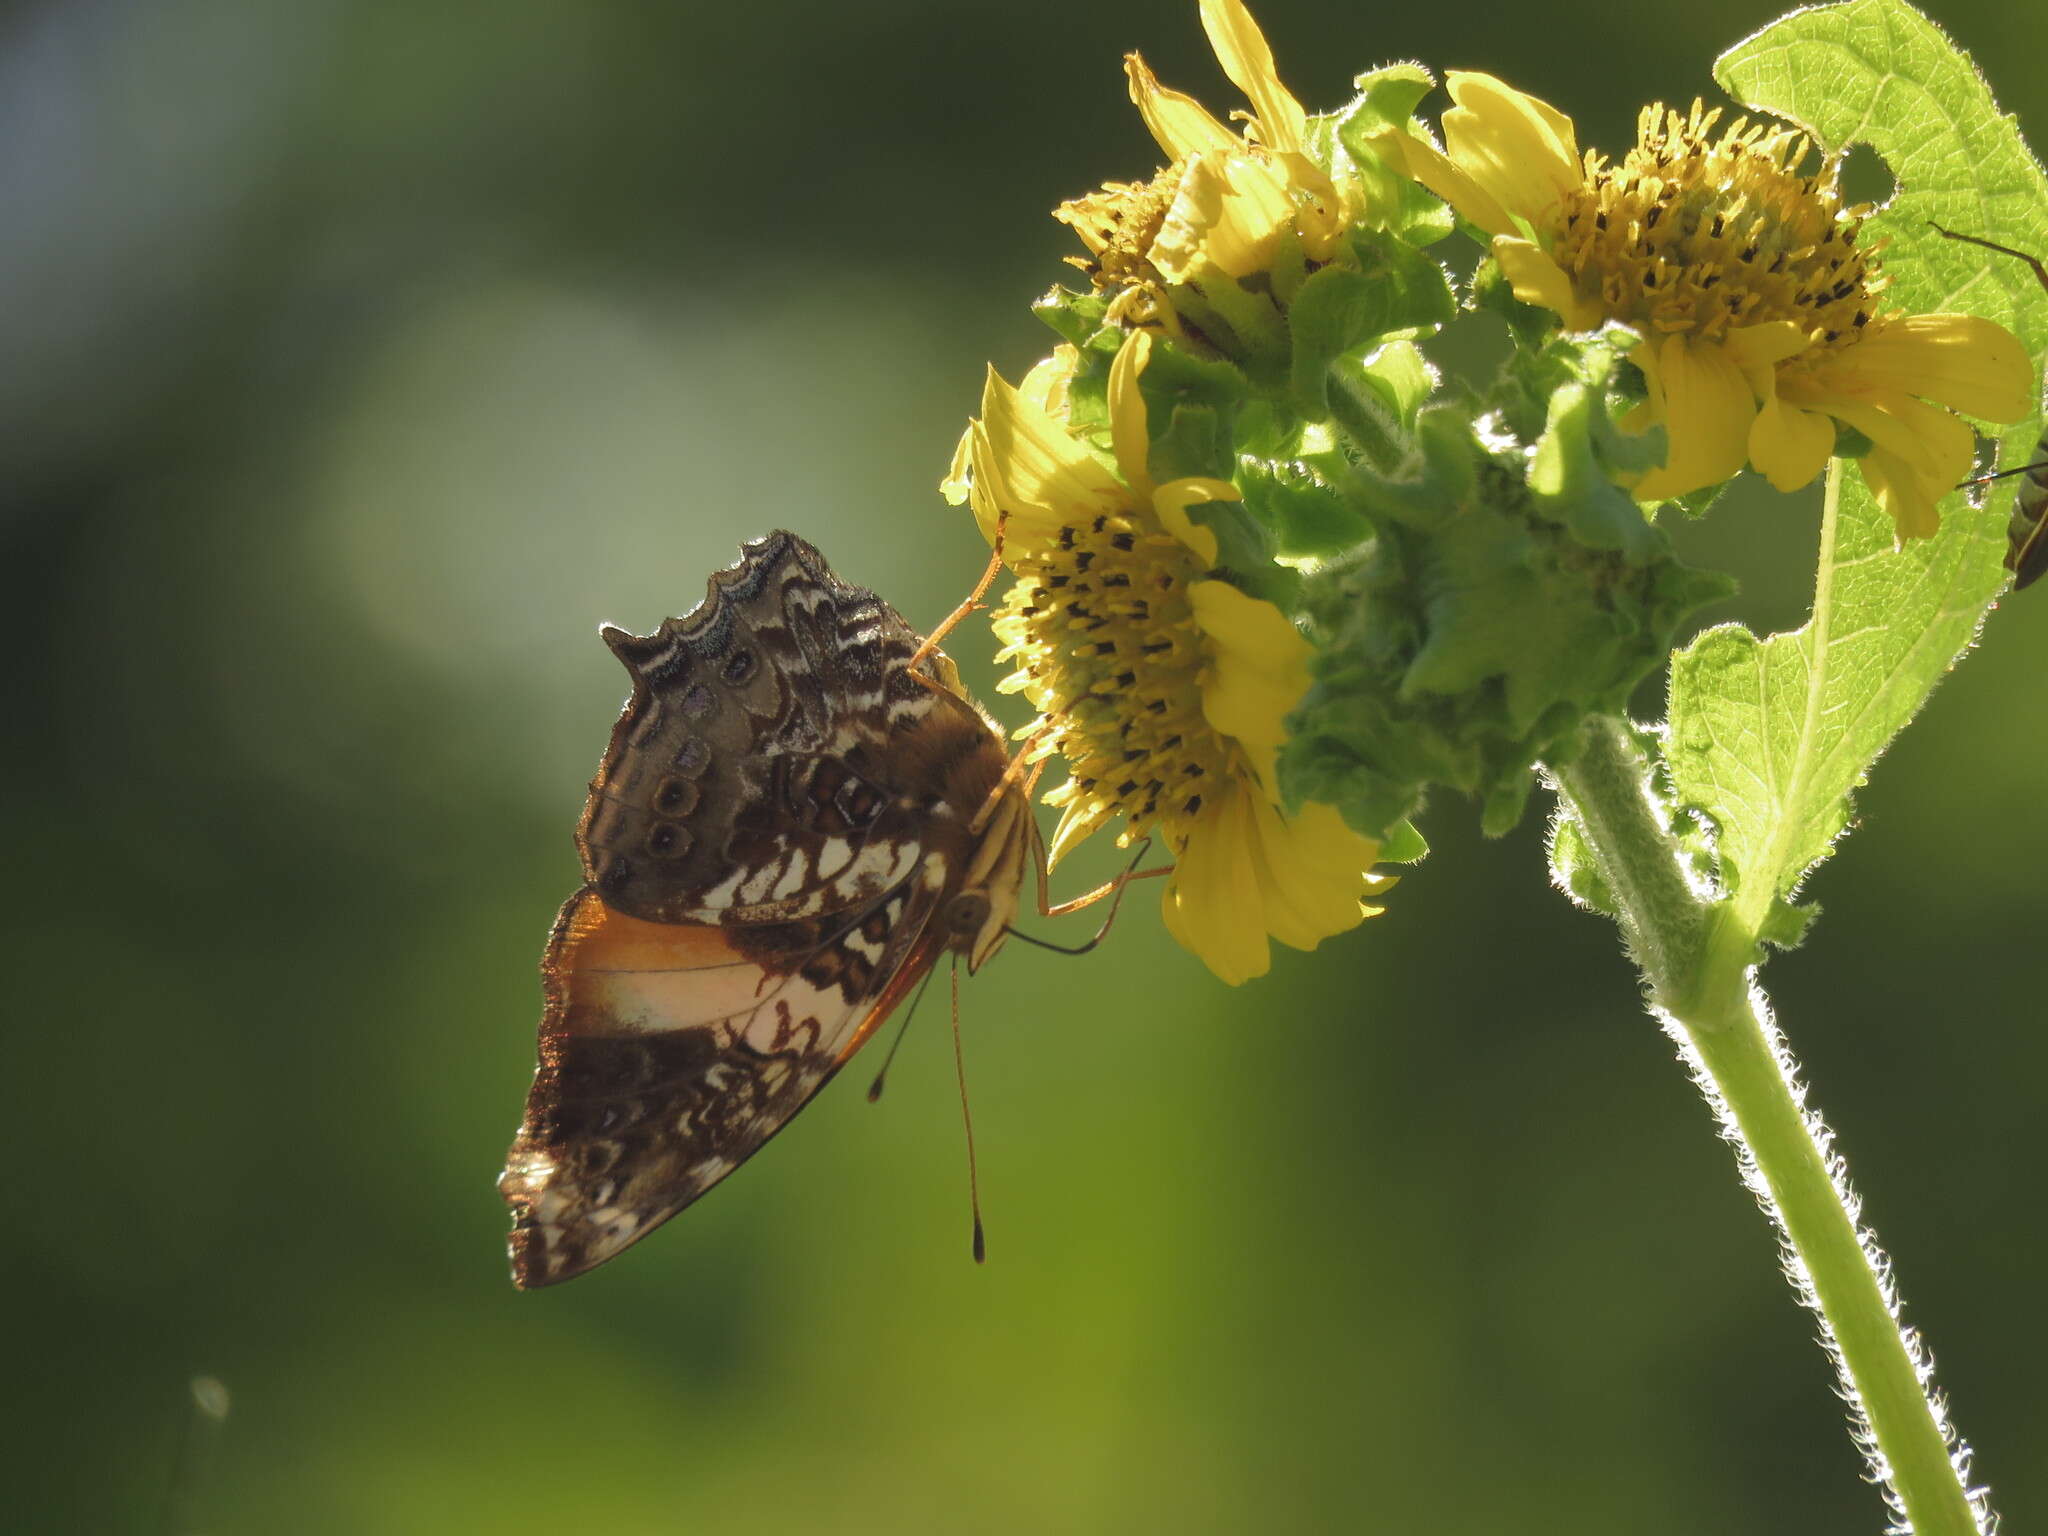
(1696, 957)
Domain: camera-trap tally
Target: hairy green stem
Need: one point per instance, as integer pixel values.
(1696, 957)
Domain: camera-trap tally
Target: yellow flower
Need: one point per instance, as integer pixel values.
(1759, 314)
(1224, 203)
(1164, 689)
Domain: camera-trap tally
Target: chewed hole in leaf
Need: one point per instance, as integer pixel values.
(1865, 178)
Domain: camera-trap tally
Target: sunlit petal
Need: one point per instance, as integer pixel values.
(1521, 151)
(1259, 671)
(1243, 52)
(1180, 124)
(1707, 411)
(1212, 904)
(1537, 279)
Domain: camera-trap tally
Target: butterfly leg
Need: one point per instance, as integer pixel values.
(947, 625)
(1113, 889)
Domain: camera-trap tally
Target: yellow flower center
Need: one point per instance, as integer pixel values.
(1110, 655)
(1698, 236)
(1119, 225)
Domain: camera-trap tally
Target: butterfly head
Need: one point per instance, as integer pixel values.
(977, 916)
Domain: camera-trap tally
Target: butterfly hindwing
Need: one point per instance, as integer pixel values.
(671, 1052)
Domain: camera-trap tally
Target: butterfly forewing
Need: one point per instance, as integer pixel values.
(778, 846)
(748, 777)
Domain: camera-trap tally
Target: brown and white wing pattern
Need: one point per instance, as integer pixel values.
(670, 1052)
(780, 842)
(749, 778)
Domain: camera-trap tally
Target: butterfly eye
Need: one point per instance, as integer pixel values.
(967, 912)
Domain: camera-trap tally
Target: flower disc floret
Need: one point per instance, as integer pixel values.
(1109, 652)
(1224, 205)
(1163, 688)
(1758, 304)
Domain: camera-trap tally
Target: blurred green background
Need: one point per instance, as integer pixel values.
(356, 360)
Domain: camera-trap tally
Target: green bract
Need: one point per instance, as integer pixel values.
(1509, 591)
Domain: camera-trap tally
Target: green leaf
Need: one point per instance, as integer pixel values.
(1769, 737)
(1402, 377)
(1582, 453)
(1475, 632)
(1342, 311)
(1387, 98)
(1375, 400)
(1308, 518)
(1785, 926)
(1075, 316)
(1404, 845)
(1575, 870)
(1193, 443)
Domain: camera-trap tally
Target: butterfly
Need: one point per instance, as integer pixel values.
(799, 812)
(2026, 540)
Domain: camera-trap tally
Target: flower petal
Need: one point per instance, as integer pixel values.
(1758, 349)
(1430, 166)
(1523, 152)
(1707, 409)
(1257, 206)
(1211, 902)
(1920, 451)
(1172, 500)
(1934, 444)
(1898, 490)
(1032, 469)
(1313, 872)
(1258, 672)
(1243, 52)
(1181, 125)
(1078, 822)
(959, 482)
(1787, 444)
(1186, 235)
(1964, 362)
(1246, 871)
(1046, 385)
(1024, 527)
(1537, 279)
(1129, 434)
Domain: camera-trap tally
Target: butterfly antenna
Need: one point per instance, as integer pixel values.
(967, 1119)
(2041, 272)
(2040, 269)
(1115, 891)
(888, 1061)
(2003, 474)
